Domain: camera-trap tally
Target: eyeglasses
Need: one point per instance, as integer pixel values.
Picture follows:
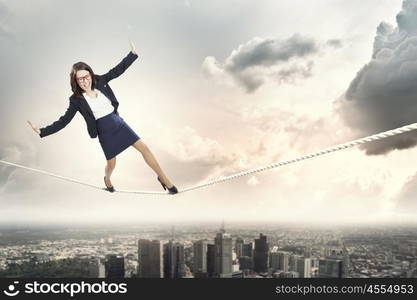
(84, 78)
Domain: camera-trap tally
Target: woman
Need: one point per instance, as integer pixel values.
(94, 99)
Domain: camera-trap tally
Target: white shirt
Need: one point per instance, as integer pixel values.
(101, 106)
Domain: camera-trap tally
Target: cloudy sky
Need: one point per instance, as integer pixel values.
(220, 87)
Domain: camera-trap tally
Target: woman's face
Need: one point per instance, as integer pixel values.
(83, 79)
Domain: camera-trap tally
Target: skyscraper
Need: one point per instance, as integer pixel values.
(294, 259)
(200, 257)
(280, 260)
(211, 254)
(284, 261)
(274, 260)
(239, 247)
(150, 259)
(261, 254)
(115, 266)
(339, 253)
(96, 268)
(245, 263)
(307, 251)
(314, 267)
(330, 268)
(304, 267)
(223, 250)
(174, 260)
(248, 249)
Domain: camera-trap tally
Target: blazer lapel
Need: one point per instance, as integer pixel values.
(101, 88)
(86, 106)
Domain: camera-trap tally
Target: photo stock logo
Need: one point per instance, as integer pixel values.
(11, 291)
(65, 288)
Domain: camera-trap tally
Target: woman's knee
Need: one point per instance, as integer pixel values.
(141, 146)
(111, 163)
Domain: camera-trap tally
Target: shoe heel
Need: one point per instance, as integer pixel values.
(110, 189)
(163, 185)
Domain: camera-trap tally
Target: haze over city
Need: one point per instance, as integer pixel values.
(219, 87)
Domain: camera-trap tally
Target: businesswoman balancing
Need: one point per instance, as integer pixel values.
(94, 99)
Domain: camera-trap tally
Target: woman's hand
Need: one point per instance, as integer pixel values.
(36, 129)
(132, 47)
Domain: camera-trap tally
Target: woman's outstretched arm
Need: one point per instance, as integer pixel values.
(122, 66)
(132, 47)
(57, 125)
(35, 129)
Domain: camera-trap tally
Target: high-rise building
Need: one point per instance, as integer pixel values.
(294, 259)
(200, 257)
(334, 252)
(260, 256)
(150, 260)
(339, 253)
(284, 261)
(96, 268)
(274, 260)
(248, 249)
(314, 267)
(223, 250)
(315, 263)
(245, 263)
(211, 254)
(330, 268)
(304, 267)
(174, 260)
(115, 266)
(307, 252)
(239, 247)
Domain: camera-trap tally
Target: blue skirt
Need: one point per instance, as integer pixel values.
(114, 135)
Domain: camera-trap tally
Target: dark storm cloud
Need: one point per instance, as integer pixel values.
(287, 75)
(383, 95)
(407, 18)
(260, 52)
(335, 43)
(252, 63)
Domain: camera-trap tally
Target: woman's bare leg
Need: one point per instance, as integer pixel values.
(151, 161)
(111, 164)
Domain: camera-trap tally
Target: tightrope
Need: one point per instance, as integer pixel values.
(223, 179)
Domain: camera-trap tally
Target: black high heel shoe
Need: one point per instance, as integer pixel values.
(110, 189)
(172, 190)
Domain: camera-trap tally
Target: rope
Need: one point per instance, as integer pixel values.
(77, 181)
(223, 179)
(350, 144)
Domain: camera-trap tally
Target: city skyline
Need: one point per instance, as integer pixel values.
(219, 87)
(150, 252)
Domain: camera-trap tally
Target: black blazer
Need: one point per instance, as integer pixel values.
(81, 105)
